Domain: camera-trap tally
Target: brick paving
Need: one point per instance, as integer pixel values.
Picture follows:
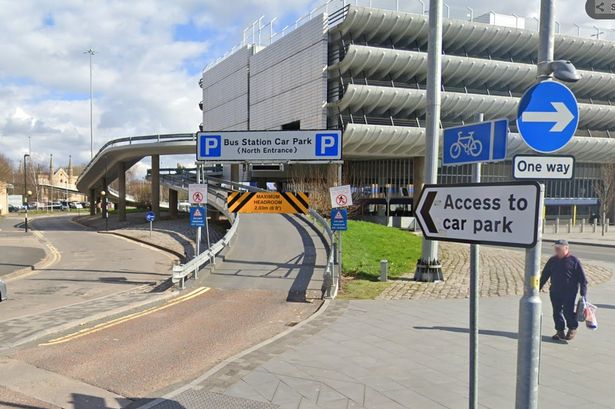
(501, 275)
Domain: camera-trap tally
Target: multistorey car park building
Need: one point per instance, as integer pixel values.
(363, 70)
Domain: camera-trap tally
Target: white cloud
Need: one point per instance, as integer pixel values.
(142, 83)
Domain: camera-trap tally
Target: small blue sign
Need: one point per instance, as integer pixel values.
(198, 214)
(339, 219)
(150, 216)
(547, 116)
(474, 143)
(327, 144)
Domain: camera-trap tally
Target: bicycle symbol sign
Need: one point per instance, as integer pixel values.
(473, 143)
(467, 143)
(341, 200)
(197, 197)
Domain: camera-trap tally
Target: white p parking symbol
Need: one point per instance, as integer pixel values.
(327, 144)
(210, 146)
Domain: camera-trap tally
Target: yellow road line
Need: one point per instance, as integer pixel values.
(120, 320)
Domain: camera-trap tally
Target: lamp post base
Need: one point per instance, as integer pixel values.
(428, 271)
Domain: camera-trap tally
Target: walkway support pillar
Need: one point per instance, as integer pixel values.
(418, 179)
(121, 206)
(92, 199)
(156, 185)
(173, 203)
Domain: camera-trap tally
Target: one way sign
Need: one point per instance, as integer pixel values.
(505, 214)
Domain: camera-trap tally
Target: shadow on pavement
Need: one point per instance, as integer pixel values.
(489, 332)
(605, 306)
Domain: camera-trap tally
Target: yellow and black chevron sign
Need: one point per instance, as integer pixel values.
(268, 202)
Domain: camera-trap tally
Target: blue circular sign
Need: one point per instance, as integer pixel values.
(548, 116)
(150, 216)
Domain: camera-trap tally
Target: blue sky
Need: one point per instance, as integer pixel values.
(149, 56)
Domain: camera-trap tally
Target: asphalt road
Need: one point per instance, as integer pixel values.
(150, 353)
(91, 265)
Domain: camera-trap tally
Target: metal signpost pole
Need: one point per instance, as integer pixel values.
(150, 228)
(198, 229)
(474, 282)
(428, 267)
(530, 310)
(530, 306)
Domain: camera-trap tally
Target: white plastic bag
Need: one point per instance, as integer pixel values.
(590, 316)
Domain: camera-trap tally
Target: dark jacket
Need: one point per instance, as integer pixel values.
(566, 276)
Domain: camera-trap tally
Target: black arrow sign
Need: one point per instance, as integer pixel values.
(431, 196)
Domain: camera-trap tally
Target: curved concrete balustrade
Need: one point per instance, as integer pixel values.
(402, 65)
(376, 141)
(407, 30)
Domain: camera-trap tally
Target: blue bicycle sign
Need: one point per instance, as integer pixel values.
(467, 144)
(472, 143)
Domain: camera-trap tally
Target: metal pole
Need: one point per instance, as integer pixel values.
(546, 40)
(530, 311)
(91, 53)
(428, 267)
(25, 189)
(474, 288)
(198, 229)
(150, 228)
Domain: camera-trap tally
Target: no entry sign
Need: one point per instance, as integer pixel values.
(505, 214)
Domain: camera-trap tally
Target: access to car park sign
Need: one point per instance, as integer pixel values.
(537, 167)
(269, 146)
(503, 214)
(268, 202)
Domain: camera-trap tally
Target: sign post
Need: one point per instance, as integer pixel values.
(537, 167)
(150, 217)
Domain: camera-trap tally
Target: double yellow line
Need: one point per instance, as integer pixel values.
(120, 320)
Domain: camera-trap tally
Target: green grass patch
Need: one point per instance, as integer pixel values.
(364, 245)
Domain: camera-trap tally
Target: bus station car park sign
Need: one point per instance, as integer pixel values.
(269, 146)
(481, 213)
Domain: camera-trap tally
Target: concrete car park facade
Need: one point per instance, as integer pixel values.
(363, 70)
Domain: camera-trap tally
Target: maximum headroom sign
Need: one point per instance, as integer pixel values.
(269, 146)
(505, 214)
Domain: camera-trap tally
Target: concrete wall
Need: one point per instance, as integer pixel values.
(288, 80)
(225, 93)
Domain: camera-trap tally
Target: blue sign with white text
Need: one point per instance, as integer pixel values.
(474, 143)
(339, 219)
(198, 214)
(547, 116)
(150, 216)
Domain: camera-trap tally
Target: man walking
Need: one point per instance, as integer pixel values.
(567, 277)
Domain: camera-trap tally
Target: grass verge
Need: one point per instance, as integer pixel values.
(364, 245)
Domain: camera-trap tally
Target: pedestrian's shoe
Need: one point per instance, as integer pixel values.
(571, 334)
(559, 335)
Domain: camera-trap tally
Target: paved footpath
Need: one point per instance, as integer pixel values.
(412, 354)
(92, 275)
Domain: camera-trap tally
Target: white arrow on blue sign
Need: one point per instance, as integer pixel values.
(547, 116)
(473, 143)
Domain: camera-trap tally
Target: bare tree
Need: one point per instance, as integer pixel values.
(604, 187)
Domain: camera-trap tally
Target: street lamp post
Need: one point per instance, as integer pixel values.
(91, 53)
(103, 203)
(25, 188)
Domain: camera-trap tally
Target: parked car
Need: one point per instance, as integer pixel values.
(13, 209)
(55, 206)
(3, 293)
